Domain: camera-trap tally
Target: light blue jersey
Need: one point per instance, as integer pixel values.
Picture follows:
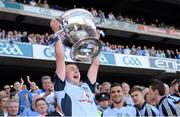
(167, 107)
(148, 110)
(175, 98)
(76, 100)
(125, 110)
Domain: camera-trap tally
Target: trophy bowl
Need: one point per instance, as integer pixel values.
(80, 33)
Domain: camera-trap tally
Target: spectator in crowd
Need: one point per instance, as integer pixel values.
(24, 37)
(168, 53)
(133, 50)
(25, 99)
(32, 38)
(33, 3)
(3, 94)
(45, 4)
(111, 16)
(125, 89)
(7, 89)
(17, 87)
(101, 14)
(93, 12)
(33, 87)
(3, 101)
(47, 92)
(31, 111)
(119, 107)
(41, 106)
(127, 50)
(3, 34)
(139, 51)
(105, 87)
(120, 17)
(145, 51)
(12, 107)
(152, 52)
(177, 53)
(16, 36)
(144, 108)
(74, 97)
(166, 106)
(162, 54)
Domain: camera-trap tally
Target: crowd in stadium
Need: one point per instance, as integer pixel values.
(26, 99)
(66, 95)
(45, 39)
(99, 13)
(141, 50)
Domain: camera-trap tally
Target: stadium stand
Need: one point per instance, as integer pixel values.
(135, 51)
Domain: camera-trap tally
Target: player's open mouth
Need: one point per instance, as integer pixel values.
(75, 77)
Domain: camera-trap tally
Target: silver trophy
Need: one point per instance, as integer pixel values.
(80, 34)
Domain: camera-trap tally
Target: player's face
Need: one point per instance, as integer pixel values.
(152, 94)
(73, 74)
(137, 97)
(116, 94)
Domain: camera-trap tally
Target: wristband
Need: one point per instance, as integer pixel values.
(58, 35)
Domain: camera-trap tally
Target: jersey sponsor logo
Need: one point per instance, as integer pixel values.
(86, 95)
(134, 61)
(10, 49)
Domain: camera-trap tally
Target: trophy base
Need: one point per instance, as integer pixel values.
(85, 49)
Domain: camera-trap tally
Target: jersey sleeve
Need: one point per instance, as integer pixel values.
(91, 86)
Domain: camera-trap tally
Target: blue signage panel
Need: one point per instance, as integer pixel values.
(16, 49)
(107, 58)
(12, 5)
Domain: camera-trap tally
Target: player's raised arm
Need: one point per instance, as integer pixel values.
(59, 50)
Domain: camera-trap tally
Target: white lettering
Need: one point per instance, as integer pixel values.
(103, 59)
(49, 52)
(176, 64)
(160, 64)
(2, 5)
(7, 48)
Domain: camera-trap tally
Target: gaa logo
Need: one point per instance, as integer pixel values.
(10, 49)
(44, 11)
(134, 61)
